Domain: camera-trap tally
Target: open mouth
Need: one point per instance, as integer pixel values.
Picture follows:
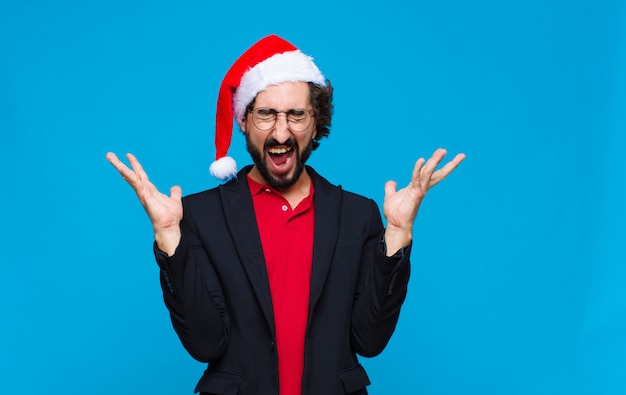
(280, 156)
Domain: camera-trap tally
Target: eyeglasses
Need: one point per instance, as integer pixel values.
(298, 119)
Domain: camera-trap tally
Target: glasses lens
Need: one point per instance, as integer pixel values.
(264, 118)
(298, 120)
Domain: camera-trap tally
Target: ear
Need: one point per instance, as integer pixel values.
(243, 124)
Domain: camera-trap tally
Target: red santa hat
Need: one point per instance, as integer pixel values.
(270, 61)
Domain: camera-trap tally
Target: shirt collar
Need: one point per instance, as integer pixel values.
(256, 188)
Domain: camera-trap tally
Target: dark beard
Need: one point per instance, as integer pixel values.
(282, 183)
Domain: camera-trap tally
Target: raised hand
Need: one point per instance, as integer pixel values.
(400, 207)
(165, 212)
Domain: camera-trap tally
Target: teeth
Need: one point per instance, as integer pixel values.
(277, 151)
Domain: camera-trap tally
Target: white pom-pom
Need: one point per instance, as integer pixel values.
(223, 168)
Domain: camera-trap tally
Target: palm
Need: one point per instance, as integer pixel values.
(400, 207)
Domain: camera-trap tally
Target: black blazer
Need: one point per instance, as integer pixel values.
(217, 291)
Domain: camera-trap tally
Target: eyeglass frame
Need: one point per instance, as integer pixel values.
(275, 113)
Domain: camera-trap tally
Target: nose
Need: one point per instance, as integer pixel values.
(281, 128)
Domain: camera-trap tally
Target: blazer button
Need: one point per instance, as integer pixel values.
(272, 345)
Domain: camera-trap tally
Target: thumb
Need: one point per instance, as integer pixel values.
(176, 192)
(390, 187)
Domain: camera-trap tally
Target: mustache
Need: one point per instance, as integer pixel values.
(272, 142)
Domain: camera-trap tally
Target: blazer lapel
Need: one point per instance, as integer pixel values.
(327, 215)
(239, 212)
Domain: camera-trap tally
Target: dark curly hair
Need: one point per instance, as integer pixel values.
(322, 101)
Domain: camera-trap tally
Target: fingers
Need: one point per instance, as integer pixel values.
(133, 177)
(447, 169)
(432, 164)
(141, 174)
(126, 173)
(417, 170)
(424, 174)
(442, 173)
(113, 159)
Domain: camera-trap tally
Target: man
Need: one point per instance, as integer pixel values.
(277, 278)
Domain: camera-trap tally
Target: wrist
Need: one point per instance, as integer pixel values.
(167, 239)
(397, 238)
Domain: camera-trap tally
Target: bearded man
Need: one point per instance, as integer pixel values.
(277, 278)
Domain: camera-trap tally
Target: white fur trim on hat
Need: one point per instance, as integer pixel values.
(289, 66)
(223, 168)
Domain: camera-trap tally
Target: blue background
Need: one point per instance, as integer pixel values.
(518, 263)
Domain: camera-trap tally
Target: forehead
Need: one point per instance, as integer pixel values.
(284, 96)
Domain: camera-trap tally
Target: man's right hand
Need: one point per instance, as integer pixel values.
(165, 212)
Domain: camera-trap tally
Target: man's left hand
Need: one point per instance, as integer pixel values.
(400, 207)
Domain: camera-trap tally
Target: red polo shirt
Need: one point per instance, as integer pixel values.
(287, 239)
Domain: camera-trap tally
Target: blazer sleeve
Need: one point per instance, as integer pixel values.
(381, 290)
(193, 295)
